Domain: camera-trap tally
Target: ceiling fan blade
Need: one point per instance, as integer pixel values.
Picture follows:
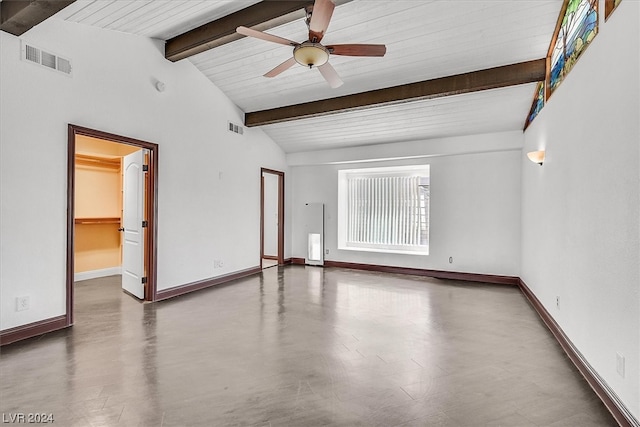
(264, 36)
(330, 75)
(358, 49)
(282, 67)
(320, 17)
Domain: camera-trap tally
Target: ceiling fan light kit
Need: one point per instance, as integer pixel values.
(311, 53)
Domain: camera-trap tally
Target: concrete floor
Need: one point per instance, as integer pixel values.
(267, 263)
(301, 346)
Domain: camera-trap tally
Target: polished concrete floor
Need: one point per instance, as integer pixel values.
(268, 263)
(301, 346)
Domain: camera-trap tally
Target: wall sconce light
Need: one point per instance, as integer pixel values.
(536, 156)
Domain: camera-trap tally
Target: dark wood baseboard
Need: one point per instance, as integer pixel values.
(206, 283)
(438, 274)
(597, 384)
(272, 257)
(297, 261)
(34, 329)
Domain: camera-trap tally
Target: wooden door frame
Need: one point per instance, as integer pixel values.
(151, 210)
(280, 213)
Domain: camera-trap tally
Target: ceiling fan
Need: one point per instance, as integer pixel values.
(311, 53)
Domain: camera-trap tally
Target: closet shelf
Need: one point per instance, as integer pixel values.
(106, 220)
(99, 162)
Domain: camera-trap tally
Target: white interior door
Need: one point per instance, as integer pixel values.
(314, 232)
(270, 239)
(132, 217)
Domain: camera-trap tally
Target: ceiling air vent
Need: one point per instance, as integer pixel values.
(46, 59)
(232, 127)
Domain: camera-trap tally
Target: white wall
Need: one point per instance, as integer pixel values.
(580, 210)
(475, 201)
(209, 178)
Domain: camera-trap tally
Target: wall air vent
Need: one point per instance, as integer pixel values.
(232, 127)
(46, 59)
(64, 65)
(31, 53)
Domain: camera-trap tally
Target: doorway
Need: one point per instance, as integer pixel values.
(125, 232)
(271, 218)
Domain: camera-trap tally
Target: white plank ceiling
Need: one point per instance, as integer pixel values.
(160, 19)
(479, 112)
(425, 40)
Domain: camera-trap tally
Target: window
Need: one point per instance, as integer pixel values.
(538, 103)
(609, 6)
(574, 32)
(384, 209)
(579, 26)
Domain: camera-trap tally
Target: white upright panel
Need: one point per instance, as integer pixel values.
(132, 213)
(314, 233)
(270, 214)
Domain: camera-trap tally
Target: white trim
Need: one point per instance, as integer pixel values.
(94, 274)
(384, 250)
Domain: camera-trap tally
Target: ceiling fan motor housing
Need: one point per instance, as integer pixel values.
(311, 54)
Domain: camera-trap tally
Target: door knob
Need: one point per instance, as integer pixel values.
(121, 229)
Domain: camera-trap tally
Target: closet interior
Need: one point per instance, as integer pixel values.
(98, 207)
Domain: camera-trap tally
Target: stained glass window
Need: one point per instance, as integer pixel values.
(609, 6)
(538, 103)
(579, 26)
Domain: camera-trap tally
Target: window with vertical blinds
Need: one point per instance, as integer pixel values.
(384, 209)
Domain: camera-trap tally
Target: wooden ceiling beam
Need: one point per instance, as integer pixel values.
(19, 16)
(491, 78)
(260, 16)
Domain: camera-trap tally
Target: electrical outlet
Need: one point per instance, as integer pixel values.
(326, 251)
(620, 364)
(558, 302)
(450, 260)
(217, 263)
(22, 303)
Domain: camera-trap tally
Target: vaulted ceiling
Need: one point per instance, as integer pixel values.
(454, 67)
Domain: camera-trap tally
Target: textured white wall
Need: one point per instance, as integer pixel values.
(475, 201)
(580, 210)
(209, 178)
